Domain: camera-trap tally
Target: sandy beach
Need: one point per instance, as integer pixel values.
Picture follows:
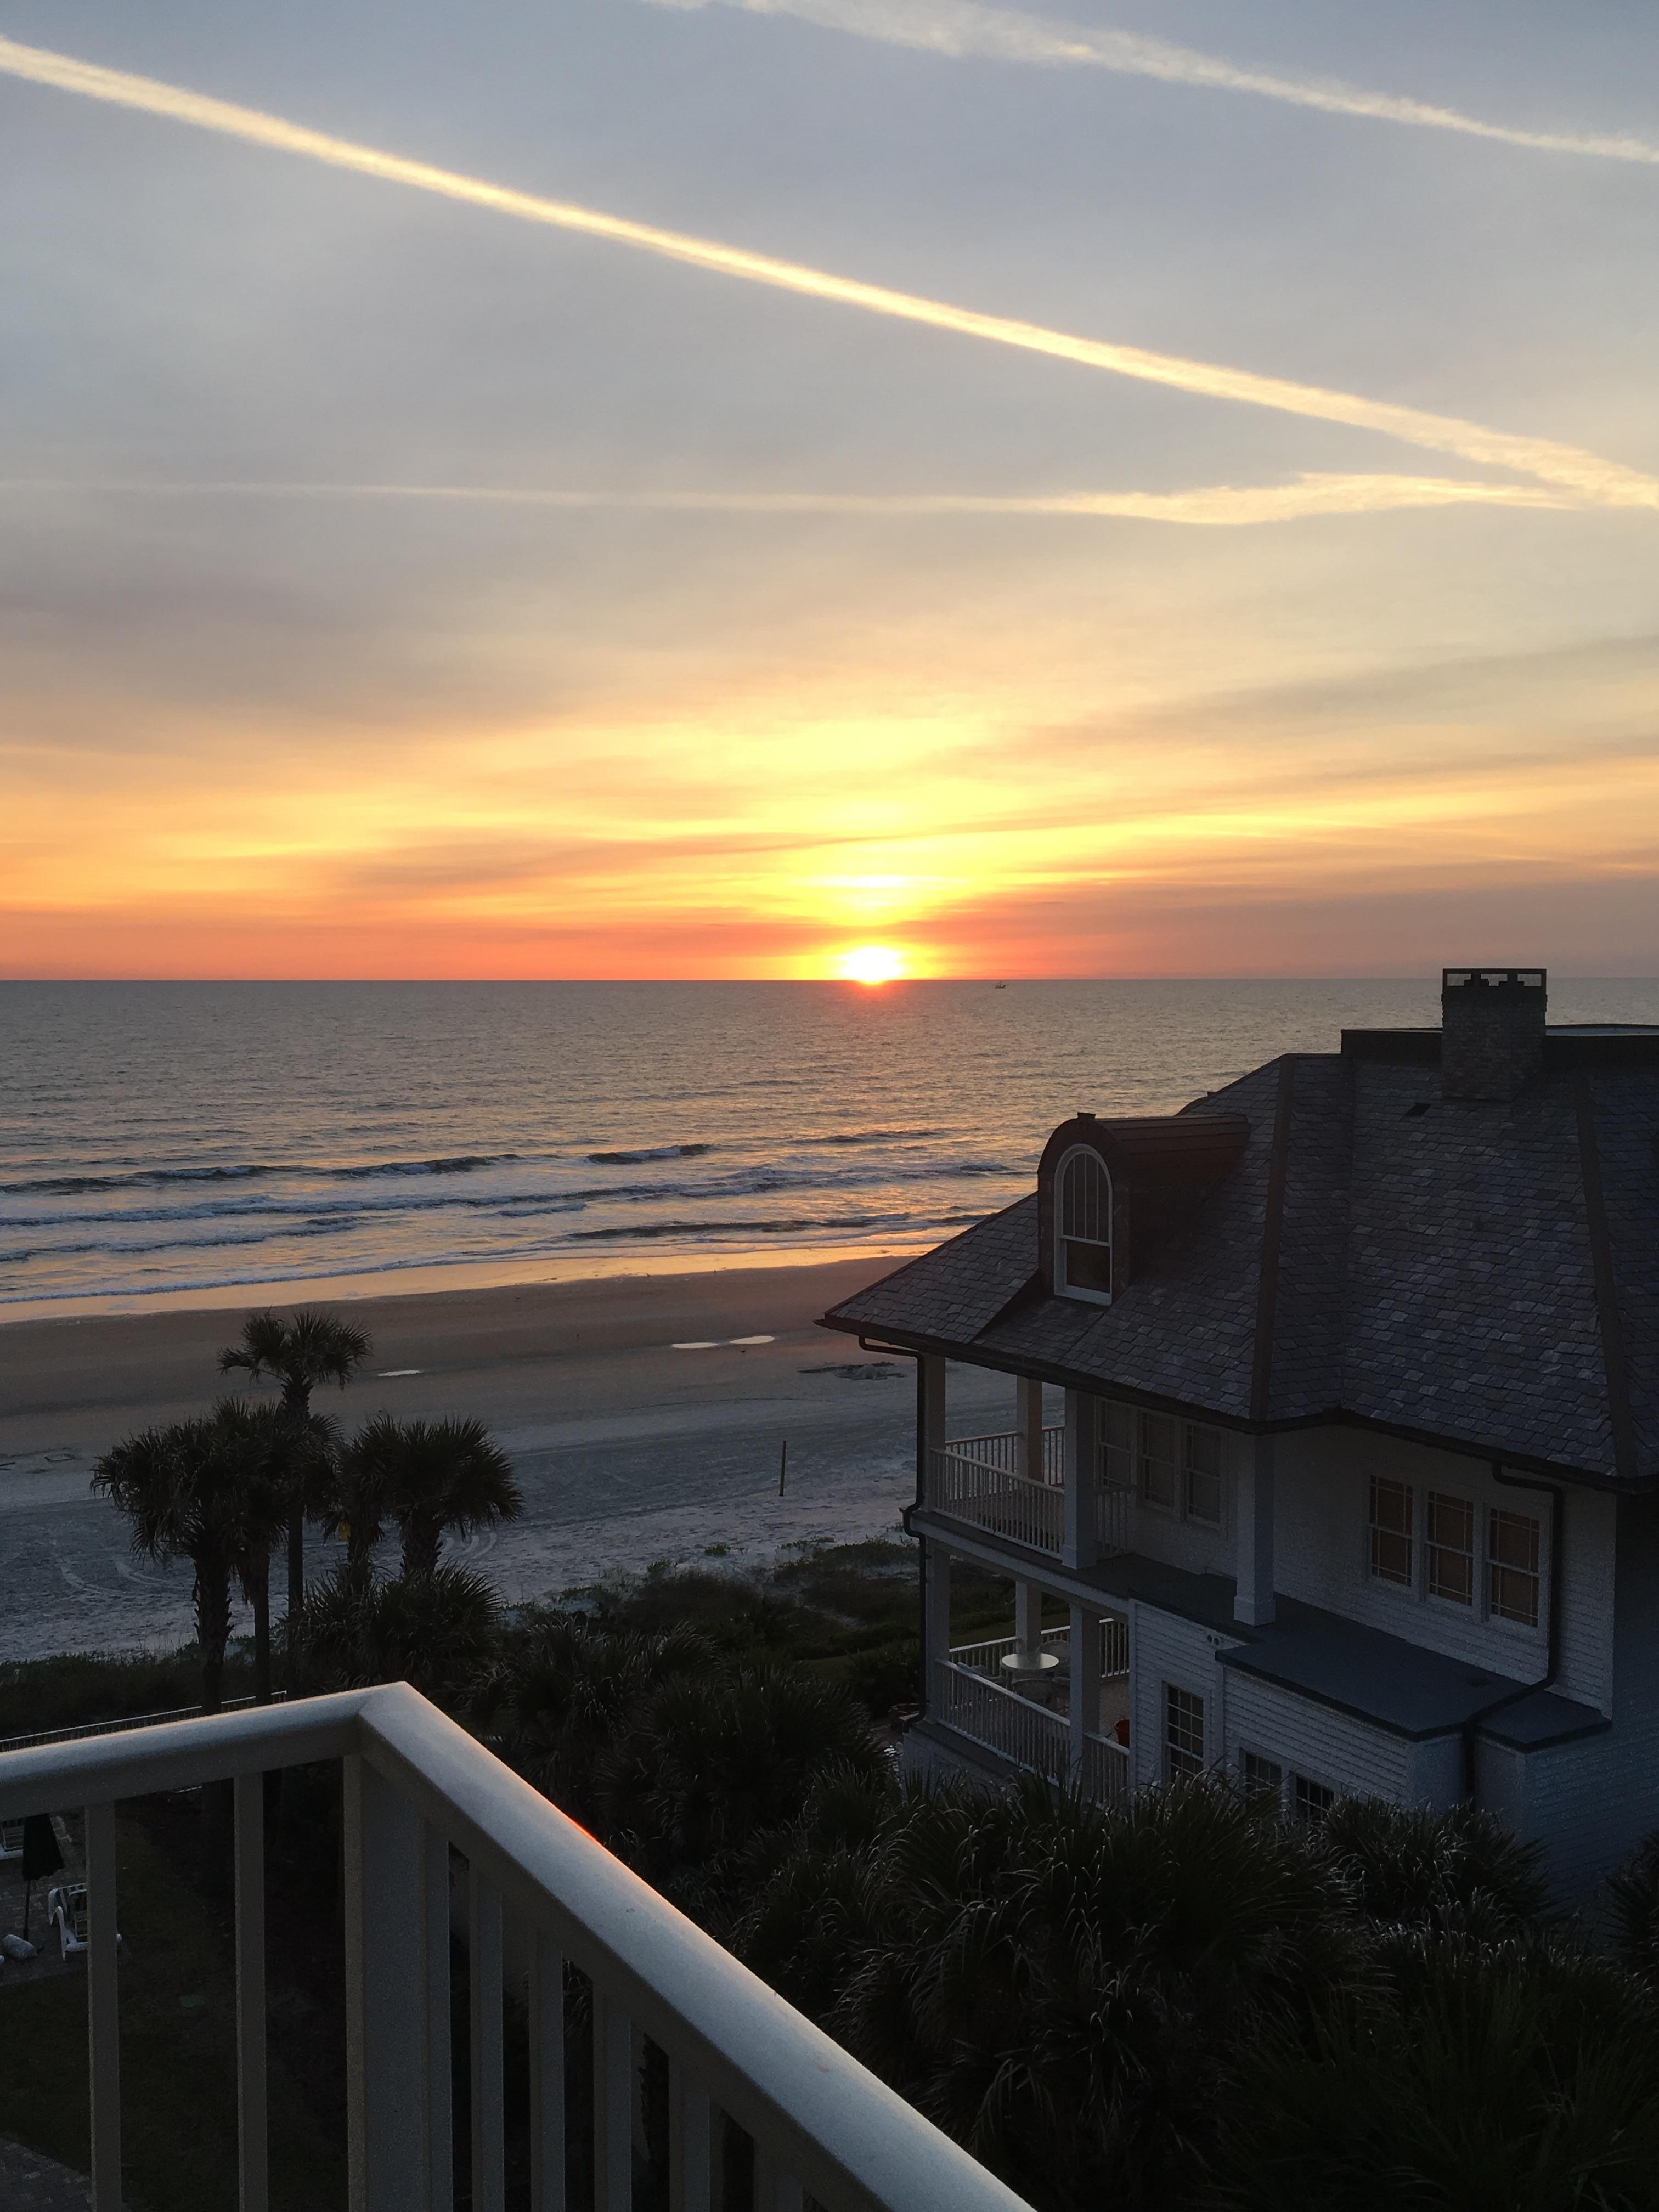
(640, 1427)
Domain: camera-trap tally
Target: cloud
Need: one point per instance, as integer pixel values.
(1586, 475)
(962, 29)
(1205, 506)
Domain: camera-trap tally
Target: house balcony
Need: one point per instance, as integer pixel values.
(983, 1482)
(994, 1697)
(419, 1795)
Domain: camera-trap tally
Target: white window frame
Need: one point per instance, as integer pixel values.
(1486, 1500)
(1063, 1287)
(1180, 1508)
(1180, 1690)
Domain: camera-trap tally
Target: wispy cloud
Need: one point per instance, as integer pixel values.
(1204, 506)
(1587, 475)
(962, 29)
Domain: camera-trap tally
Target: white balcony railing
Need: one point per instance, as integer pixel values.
(1018, 1728)
(416, 1785)
(979, 1479)
(1105, 1775)
(986, 1658)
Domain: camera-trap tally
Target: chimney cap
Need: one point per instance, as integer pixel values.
(1462, 979)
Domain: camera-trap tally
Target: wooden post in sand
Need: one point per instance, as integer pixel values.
(783, 1465)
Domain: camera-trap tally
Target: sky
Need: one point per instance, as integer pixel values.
(611, 489)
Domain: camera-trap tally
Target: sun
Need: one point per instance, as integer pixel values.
(871, 963)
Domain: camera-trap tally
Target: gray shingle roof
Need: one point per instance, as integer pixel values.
(1436, 1270)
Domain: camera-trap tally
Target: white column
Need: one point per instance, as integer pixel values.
(937, 1625)
(930, 1417)
(1254, 1495)
(1082, 1478)
(1085, 1680)
(103, 2013)
(1027, 1419)
(1028, 1617)
(385, 1989)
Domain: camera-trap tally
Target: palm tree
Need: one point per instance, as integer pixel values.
(201, 1491)
(437, 1631)
(313, 1347)
(278, 1463)
(430, 1478)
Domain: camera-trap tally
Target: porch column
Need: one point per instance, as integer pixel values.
(936, 1618)
(1081, 1547)
(1028, 1617)
(1086, 1681)
(1028, 1420)
(1253, 1602)
(930, 1418)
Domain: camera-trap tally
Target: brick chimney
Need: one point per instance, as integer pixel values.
(1491, 1030)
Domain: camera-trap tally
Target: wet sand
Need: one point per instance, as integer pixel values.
(629, 1449)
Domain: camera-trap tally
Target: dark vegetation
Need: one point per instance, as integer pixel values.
(1180, 2001)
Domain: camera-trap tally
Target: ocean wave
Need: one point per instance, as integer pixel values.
(653, 1152)
(873, 1136)
(163, 1178)
(646, 1232)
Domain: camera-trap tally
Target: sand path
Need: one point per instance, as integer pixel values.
(628, 1450)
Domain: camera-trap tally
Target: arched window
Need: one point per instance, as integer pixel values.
(1082, 1227)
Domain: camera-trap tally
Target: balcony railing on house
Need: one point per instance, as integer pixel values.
(979, 1480)
(416, 1786)
(1114, 1648)
(1029, 1735)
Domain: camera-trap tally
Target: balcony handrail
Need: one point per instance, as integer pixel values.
(128, 1720)
(822, 2123)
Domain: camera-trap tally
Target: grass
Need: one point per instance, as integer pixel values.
(178, 2056)
(75, 1688)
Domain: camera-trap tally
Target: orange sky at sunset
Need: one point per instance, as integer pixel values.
(401, 588)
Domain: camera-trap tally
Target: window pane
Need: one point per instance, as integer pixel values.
(1088, 1267)
(1183, 1734)
(1203, 1473)
(1513, 1545)
(1451, 1547)
(1391, 1531)
(1158, 1467)
(1086, 1199)
(1263, 1778)
(1311, 1800)
(1118, 1453)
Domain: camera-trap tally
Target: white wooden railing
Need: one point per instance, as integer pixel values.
(979, 1479)
(1003, 1721)
(1105, 1775)
(415, 1786)
(986, 1658)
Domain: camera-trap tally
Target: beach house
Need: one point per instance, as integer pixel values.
(1356, 1485)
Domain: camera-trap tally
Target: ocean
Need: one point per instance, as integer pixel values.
(165, 1142)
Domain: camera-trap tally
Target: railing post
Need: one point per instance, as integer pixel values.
(386, 2137)
(488, 2103)
(936, 1625)
(613, 2106)
(1028, 1424)
(103, 2010)
(689, 2140)
(546, 2075)
(437, 2101)
(253, 2163)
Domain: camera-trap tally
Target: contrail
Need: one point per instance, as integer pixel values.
(1585, 474)
(1208, 507)
(961, 29)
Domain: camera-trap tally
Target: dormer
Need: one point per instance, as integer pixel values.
(1110, 1192)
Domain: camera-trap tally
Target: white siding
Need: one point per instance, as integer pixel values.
(1321, 1512)
(1164, 1647)
(1344, 1754)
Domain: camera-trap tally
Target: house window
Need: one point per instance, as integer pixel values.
(1203, 1474)
(1391, 1531)
(1263, 1779)
(1310, 1801)
(1451, 1547)
(1117, 1446)
(1512, 1565)
(1084, 1194)
(1183, 1734)
(1160, 1463)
